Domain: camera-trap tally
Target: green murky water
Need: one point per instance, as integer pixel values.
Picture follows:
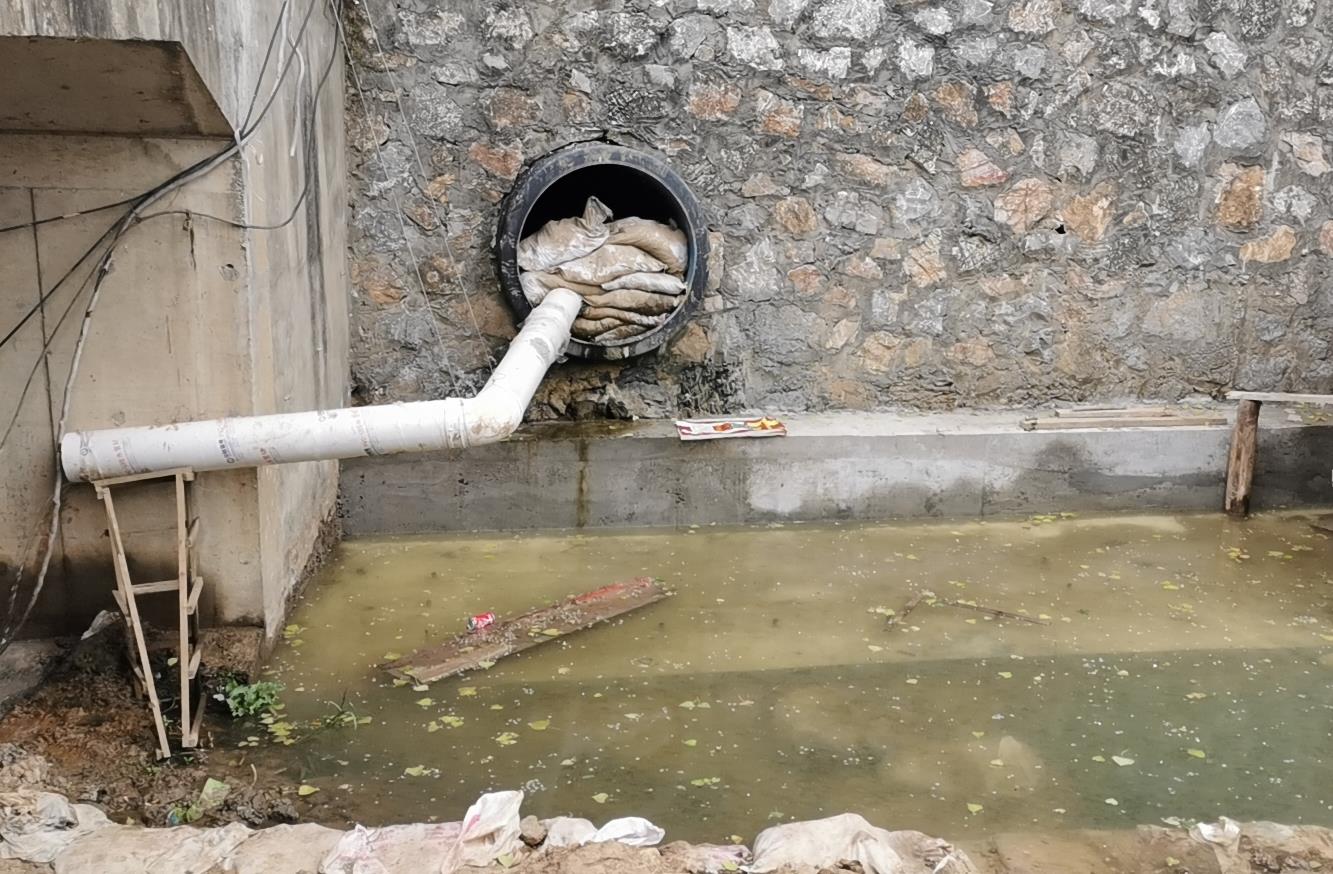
(1185, 670)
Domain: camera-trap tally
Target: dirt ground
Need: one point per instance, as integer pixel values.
(96, 733)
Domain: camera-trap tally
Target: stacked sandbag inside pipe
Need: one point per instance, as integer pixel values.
(628, 272)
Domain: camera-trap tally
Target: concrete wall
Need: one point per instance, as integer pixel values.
(952, 203)
(198, 318)
(832, 466)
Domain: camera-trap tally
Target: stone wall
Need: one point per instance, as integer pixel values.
(961, 203)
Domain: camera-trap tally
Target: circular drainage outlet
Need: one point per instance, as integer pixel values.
(631, 183)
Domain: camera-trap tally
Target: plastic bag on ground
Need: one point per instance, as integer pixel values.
(490, 829)
(659, 283)
(574, 831)
(823, 843)
(632, 830)
(608, 263)
(565, 239)
(664, 243)
(37, 826)
(644, 302)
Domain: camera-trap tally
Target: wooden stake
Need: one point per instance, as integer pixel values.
(1240, 461)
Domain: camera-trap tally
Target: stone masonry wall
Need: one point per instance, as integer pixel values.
(934, 204)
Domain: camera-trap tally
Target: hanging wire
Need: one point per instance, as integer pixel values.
(400, 98)
(398, 211)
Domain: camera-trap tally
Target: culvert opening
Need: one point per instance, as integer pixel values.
(632, 184)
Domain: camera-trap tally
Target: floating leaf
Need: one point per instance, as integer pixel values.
(397, 681)
(306, 789)
(1099, 758)
(506, 738)
(567, 763)
(467, 692)
(497, 707)
(421, 687)
(1007, 675)
(486, 664)
(1122, 761)
(551, 632)
(690, 742)
(873, 648)
(997, 763)
(973, 807)
(705, 781)
(425, 702)
(433, 726)
(392, 656)
(451, 721)
(911, 681)
(540, 725)
(1196, 753)
(415, 771)
(978, 734)
(1113, 802)
(1197, 696)
(600, 797)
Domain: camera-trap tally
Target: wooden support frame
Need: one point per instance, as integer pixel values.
(187, 584)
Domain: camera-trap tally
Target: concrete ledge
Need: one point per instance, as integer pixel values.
(838, 466)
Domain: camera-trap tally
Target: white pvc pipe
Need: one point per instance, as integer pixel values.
(421, 426)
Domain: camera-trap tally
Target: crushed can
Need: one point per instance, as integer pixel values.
(480, 621)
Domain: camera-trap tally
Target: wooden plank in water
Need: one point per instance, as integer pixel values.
(505, 637)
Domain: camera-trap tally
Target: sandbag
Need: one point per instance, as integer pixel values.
(593, 314)
(555, 280)
(631, 299)
(588, 329)
(565, 239)
(608, 263)
(624, 332)
(664, 243)
(571, 831)
(659, 283)
(533, 291)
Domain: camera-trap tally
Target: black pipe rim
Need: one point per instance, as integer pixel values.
(538, 177)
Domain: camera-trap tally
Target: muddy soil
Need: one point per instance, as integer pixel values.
(98, 737)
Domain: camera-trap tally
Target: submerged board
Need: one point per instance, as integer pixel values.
(476, 649)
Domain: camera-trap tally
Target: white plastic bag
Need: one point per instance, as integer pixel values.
(634, 831)
(573, 831)
(565, 239)
(664, 243)
(490, 829)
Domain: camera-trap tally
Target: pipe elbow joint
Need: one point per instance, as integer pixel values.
(490, 417)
